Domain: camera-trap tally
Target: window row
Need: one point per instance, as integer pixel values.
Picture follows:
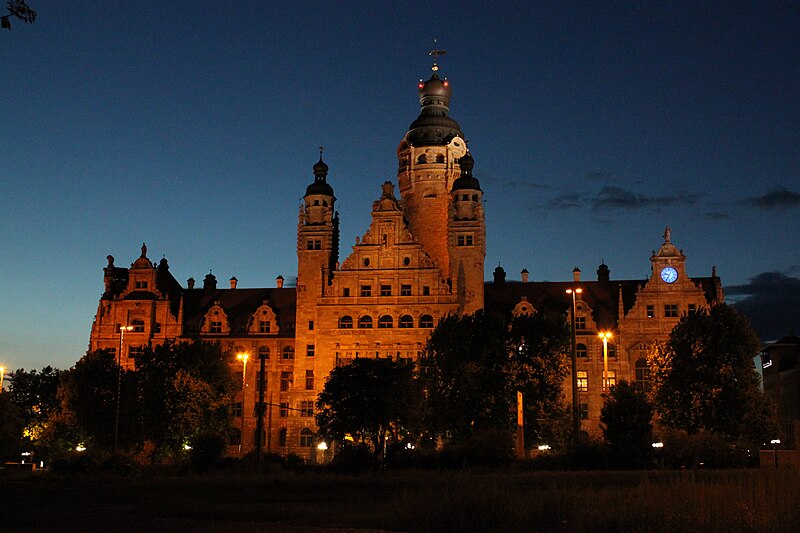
(582, 351)
(670, 310)
(385, 290)
(306, 437)
(385, 322)
(583, 380)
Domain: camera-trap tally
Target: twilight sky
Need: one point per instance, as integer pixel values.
(193, 127)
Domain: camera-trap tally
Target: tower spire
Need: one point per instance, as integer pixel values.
(435, 53)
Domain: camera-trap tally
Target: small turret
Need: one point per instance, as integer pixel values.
(210, 283)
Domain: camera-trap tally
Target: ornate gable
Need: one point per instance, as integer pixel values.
(263, 321)
(215, 321)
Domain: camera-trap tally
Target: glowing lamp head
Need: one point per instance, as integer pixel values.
(243, 357)
(322, 446)
(605, 335)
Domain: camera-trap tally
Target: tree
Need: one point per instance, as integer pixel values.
(473, 366)
(185, 390)
(11, 425)
(368, 399)
(704, 378)
(36, 396)
(17, 9)
(626, 423)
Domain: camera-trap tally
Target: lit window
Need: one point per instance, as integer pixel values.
(284, 410)
(611, 380)
(306, 438)
(405, 290)
(237, 409)
(309, 380)
(583, 380)
(138, 325)
(671, 310)
(580, 322)
(426, 321)
(286, 381)
(386, 290)
(288, 352)
(307, 409)
(346, 322)
(264, 326)
(406, 321)
(385, 322)
(310, 350)
(366, 290)
(365, 322)
(642, 383)
(581, 351)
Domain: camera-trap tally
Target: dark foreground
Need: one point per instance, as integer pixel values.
(279, 500)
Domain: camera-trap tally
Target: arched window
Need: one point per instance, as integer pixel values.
(346, 322)
(581, 351)
(422, 159)
(138, 325)
(263, 352)
(406, 321)
(385, 322)
(235, 437)
(306, 438)
(642, 383)
(426, 321)
(440, 158)
(282, 437)
(288, 352)
(365, 322)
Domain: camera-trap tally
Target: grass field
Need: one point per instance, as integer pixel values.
(281, 500)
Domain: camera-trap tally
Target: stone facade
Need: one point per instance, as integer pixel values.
(421, 258)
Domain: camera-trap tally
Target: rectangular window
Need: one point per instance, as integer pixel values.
(386, 290)
(692, 309)
(286, 381)
(310, 325)
(611, 380)
(135, 351)
(366, 290)
(405, 290)
(671, 310)
(309, 350)
(264, 326)
(237, 409)
(307, 408)
(140, 285)
(460, 240)
(583, 381)
(583, 409)
(112, 351)
(651, 311)
(346, 292)
(580, 322)
(284, 411)
(426, 291)
(465, 240)
(216, 327)
(309, 380)
(157, 327)
(314, 244)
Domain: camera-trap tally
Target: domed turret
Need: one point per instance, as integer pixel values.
(320, 185)
(466, 181)
(433, 126)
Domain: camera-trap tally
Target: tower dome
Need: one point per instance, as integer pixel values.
(320, 185)
(433, 126)
(466, 180)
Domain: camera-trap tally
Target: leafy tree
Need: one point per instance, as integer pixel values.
(185, 389)
(368, 399)
(36, 396)
(17, 9)
(704, 378)
(474, 365)
(626, 423)
(463, 375)
(88, 396)
(11, 425)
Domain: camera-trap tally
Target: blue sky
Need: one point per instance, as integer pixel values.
(193, 126)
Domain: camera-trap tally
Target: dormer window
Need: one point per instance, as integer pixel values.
(215, 327)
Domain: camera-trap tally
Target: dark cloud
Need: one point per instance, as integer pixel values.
(619, 198)
(567, 200)
(779, 198)
(771, 300)
(522, 184)
(716, 215)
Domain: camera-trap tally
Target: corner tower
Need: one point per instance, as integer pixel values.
(428, 166)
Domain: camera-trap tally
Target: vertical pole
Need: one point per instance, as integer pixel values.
(605, 363)
(119, 385)
(269, 425)
(576, 421)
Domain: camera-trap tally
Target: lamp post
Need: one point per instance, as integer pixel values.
(2, 377)
(576, 421)
(605, 335)
(243, 357)
(775, 443)
(122, 330)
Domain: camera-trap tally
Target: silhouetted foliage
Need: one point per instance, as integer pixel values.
(36, 395)
(185, 389)
(11, 425)
(17, 9)
(473, 366)
(626, 422)
(368, 399)
(704, 378)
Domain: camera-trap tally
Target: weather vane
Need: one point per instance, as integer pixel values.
(435, 53)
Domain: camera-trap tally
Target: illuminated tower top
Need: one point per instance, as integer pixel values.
(433, 126)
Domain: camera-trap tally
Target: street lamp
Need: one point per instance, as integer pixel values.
(122, 330)
(775, 443)
(576, 421)
(605, 335)
(243, 357)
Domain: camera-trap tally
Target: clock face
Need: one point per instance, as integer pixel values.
(669, 274)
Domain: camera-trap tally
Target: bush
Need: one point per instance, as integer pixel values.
(487, 448)
(353, 459)
(207, 450)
